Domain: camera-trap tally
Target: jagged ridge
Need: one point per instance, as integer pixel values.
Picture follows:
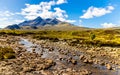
(35, 23)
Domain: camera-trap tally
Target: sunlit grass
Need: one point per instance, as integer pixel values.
(102, 37)
(6, 53)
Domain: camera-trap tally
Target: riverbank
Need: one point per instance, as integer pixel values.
(43, 57)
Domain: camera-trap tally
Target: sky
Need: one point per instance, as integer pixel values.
(85, 13)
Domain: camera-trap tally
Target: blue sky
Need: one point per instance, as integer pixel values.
(86, 13)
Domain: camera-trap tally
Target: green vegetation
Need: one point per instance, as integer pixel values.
(93, 37)
(6, 53)
(9, 56)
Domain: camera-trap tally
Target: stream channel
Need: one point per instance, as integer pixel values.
(61, 60)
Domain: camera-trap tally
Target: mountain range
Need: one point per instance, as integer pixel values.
(45, 24)
(37, 22)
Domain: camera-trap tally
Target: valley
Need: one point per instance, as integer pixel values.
(60, 52)
(59, 37)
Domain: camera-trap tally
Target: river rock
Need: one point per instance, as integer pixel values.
(108, 66)
(27, 69)
(81, 57)
(73, 61)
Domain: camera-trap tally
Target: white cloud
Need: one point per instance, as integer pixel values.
(96, 12)
(3, 19)
(80, 23)
(7, 18)
(71, 21)
(61, 1)
(59, 13)
(45, 10)
(6, 14)
(108, 25)
(5, 23)
(31, 11)
(18, 21)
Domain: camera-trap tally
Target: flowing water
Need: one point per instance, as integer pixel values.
(63, 63)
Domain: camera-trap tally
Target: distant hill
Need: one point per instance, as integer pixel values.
(15, 26)
(63, 27)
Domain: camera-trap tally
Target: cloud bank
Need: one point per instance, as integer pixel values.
(108, 25)
(6, 18)
(31, 11)
(61, 1)
(45, 10)
(92, 12)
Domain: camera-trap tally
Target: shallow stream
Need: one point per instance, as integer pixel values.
(62, 59)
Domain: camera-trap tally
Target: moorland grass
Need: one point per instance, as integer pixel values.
(6, 53)
(101, 37)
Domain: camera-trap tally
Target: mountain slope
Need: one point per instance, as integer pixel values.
(63, 27)
(35, 23)
(40, 22)
(45, 24)
(15, 26)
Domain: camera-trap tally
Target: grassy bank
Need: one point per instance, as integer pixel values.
(102, 37)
